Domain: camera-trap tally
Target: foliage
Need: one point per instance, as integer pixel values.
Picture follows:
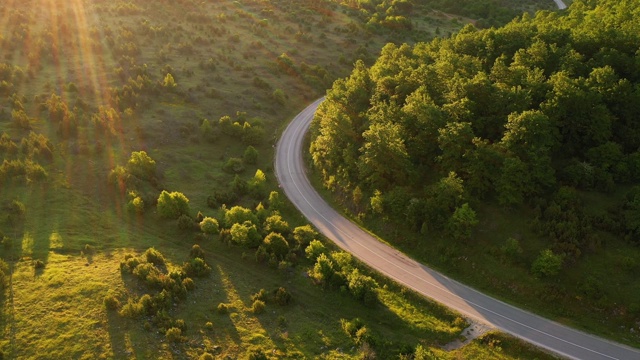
(547, 264)
(172, 205)
(209, 225)
(276, 244)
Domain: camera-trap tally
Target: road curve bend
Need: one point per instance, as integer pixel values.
(562, 340)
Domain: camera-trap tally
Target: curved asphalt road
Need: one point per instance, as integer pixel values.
(557, 338)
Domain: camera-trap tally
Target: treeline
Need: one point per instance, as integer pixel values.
(518, 115)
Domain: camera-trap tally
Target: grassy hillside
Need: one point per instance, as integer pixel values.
(83, 85)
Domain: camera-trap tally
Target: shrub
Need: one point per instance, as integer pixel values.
(154, 256)
(188, 284)
(174, 335)
(315, 249)
(362, 287)
(282, 296)
(136, 205)
(196, 267)
(233, 166)
(511, 248)
(304, 235)
(256, 354)
(260, 295)
(209, 225)
(141, 165)
(185, 222)
(206, 356)
(238, 215)
(275, 223)
(547, 264)
(351, 326)
(196, 252)
(38, 264)
(258, 307)
(132, 309)
(172, 205)
(276, 244)
(250, 155)
(111, 302)
(222, 308)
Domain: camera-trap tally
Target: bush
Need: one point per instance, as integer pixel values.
(250, 155)
(172, 205)
(189, 284)
(362, 287)
(141, 165)
(206, 356)
(282, 296)
(154, 256)
(132, 309)
(547, 264)
(258, 307)
(185, 222)
(209, 225)
(276, 244)
(196, 267)
(196, 252)
(38, 264)
(304, 235)
(233, 166)
(111, 302)
(260, 295)
(222, 308)
(174, 335)
(315, 249)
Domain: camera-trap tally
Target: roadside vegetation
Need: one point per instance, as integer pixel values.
(139, 214)
(507, 157)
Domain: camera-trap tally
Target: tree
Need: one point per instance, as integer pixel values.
(304, 235)
(362, 287)
(275, 223)
(274, 200)
(207, 131)
(245, 234)
(209, 226)
(257, 185)
(169, 82)
(462, 223)
(384, 160)
(238, 215)
(547, 264)
(172, 205)
(250, 155)
(276, 244)
(315, 249)
(141, 165)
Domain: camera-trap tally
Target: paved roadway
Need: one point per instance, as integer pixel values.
(290, 170)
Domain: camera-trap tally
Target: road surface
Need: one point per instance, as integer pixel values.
(290, 171)
(561, 5)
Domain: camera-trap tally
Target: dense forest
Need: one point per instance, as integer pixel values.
(532, 115)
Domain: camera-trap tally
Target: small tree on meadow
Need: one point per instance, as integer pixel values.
(276, 244)
(141, 165)
(209, 226)
(250, 155)
(547, 264)
(169, 82)
(462, 222)
(172, 205)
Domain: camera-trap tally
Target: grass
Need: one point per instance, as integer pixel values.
(76, 224)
